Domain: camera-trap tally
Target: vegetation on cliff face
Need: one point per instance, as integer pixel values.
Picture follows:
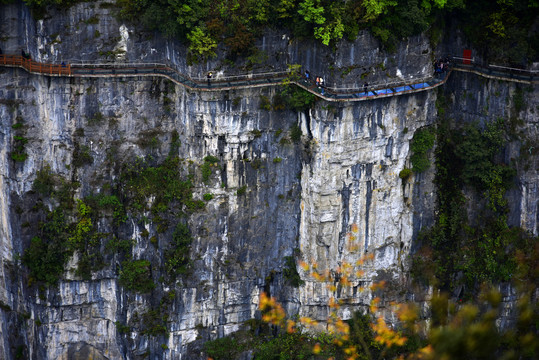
(454, 330)
(502, 29)
(462, 251)
(142, 191)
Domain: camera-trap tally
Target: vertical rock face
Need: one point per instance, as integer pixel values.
(335, 194)
(353, 201)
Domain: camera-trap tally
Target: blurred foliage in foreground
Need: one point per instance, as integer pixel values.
(450, 330)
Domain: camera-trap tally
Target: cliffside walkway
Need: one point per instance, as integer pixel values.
(374, 91)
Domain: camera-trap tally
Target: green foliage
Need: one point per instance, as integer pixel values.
(241, 190)
(207, 197)
(405, 173)
(277, 160)
(44, 260)
(154, 323)
(265, 103)
(83, 228)
(97, 119)
(256, 133)
(297, 98)
(59, 239)
(19, 141)
(135, 275)
(177, 258)
(296, 345)
(482, 250)
(502, 30)
(44, 182)
(222, 349)
(122, 328)
(114, 245)
(81, 156)
(47, 254)
(203, 23)
(295, 133)
(290, 272)
(174, 143)
(209, 162)
(112, 203)
(201, 43)
(139, 181)
(422, 142)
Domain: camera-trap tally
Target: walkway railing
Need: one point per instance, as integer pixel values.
(377, 90)
(35, 67)
(496, 71)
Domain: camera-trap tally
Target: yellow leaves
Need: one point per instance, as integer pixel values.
(374, 305)
(364, 259)
(407, 313)
(386, 336)
(273, 312)
(377, 286)
(342, 277)
(306, 321)
(290, 326)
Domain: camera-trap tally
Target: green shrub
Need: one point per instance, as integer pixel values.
(209, 162)
(114, 245)
(225, 348)
(177, 258)
(256, 133)
(405, 173)
(122, 329)
(19, 142)
(422, 142)
(295, 133)
(44, 181)
(139, 181)
(45, 260)
(241, 190)
(290, 272)
(154, 323)
(265, 103)
(207, 197)
(82, 156)
(135, 275)
(19, 156)
(277, 160)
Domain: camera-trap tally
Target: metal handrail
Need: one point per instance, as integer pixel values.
(99, 69)
(514, 69)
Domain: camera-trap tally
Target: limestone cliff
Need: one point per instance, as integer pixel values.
(333, 193)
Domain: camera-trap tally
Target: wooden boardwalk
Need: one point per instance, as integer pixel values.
(374, 91)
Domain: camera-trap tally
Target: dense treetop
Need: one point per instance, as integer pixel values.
(502, 29)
